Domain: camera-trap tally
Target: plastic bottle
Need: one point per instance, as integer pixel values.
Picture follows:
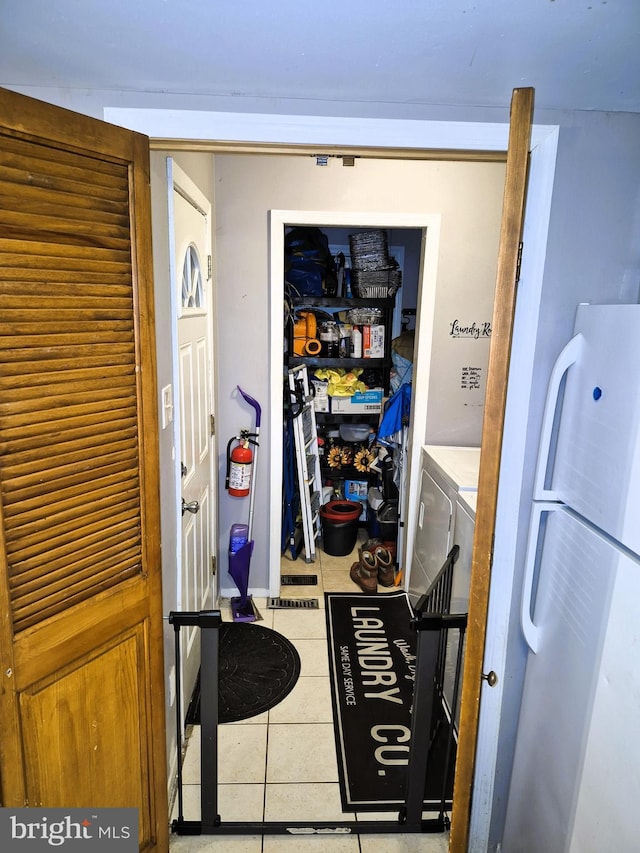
(356, 342)
(239, 537)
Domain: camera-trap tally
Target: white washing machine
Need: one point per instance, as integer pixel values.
(446, 472)
(465, 520)
(446, 517)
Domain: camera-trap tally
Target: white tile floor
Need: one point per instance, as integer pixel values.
(282, 765)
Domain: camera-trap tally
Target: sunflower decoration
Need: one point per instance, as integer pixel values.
(347, 456)
(335, 457)
(340, 456)
(363, 460)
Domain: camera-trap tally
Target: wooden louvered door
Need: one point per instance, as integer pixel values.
(81, 661)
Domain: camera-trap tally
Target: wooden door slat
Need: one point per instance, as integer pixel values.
(111, 542)
(23, 488)
(34, 511)
(58, 543)
(102, 506)
(99, 165)
(61, 458)
(61, 228)
(27, 434)
(95, 376)
(54, 280)
(32, 172)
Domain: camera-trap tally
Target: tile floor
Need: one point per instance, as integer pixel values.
(282, 765)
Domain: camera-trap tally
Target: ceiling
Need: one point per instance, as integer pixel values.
(577, 54)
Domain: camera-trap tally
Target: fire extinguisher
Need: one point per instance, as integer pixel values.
(239, 462)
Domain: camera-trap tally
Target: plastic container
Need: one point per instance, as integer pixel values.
(388, 520)
(354, 432)
(375, 500)
(340, 527)
(238, 537)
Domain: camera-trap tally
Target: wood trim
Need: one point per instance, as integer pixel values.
(54, 124)
(213, 146)
(493, 425)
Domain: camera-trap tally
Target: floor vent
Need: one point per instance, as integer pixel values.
(293, 603)
(299, 580)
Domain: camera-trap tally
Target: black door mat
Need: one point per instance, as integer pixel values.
(258, 667)
(299, 580)
(293, 603)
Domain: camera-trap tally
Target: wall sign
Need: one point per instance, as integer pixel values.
(475, 331)
(470, 378)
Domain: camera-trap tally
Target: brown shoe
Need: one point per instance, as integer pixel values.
(364, 573)
(385, 563)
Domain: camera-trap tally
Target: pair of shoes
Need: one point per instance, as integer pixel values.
(385, 561)
(365, 578)
(375, 566)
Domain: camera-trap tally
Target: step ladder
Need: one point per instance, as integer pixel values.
(305, 435)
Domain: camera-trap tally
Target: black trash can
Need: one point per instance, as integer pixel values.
(340, 527)
(388, 521)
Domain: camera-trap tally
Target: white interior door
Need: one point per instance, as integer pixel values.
(194, 378)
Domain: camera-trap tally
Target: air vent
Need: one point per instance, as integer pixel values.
(293, 603)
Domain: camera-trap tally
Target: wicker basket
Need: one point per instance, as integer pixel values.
(375, 284)
(369, 250)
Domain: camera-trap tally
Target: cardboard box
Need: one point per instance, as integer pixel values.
(358, 490)
(364, 403)
(373, 341)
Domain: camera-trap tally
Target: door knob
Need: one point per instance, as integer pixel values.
(491, 678)
(193, 507)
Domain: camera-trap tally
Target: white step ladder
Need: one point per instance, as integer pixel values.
(305, 435)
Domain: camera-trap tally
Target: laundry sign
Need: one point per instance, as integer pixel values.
(475, 330)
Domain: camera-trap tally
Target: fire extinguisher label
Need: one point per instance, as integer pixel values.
(240, 476)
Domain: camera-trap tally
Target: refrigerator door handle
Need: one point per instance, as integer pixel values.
(569, 356)
(531, 631)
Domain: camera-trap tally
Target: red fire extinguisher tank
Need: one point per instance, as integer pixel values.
(239, 476)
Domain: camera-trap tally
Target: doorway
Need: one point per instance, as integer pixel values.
(416, 138)
(429, 226)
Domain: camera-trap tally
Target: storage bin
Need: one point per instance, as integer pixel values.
(339, 527)
(388, 520)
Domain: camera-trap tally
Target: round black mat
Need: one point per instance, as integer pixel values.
(258, 667)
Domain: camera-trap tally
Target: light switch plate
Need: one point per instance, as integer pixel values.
(167, 406)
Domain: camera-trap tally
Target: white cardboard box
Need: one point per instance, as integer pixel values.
(373, 341)
(363, 403)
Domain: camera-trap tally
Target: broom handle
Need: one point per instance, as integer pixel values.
(252, 493)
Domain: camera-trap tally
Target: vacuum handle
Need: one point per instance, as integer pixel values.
(254, 403)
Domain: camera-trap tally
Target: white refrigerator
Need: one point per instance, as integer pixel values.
(575, 782)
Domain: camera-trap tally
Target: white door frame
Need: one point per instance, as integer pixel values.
(200, 126)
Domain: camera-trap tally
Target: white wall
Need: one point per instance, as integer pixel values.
(468, 196)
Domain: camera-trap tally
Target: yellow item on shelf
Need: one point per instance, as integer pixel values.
(342, 383)
(305, 330)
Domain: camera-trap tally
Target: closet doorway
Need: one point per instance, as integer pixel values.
(429, 225)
